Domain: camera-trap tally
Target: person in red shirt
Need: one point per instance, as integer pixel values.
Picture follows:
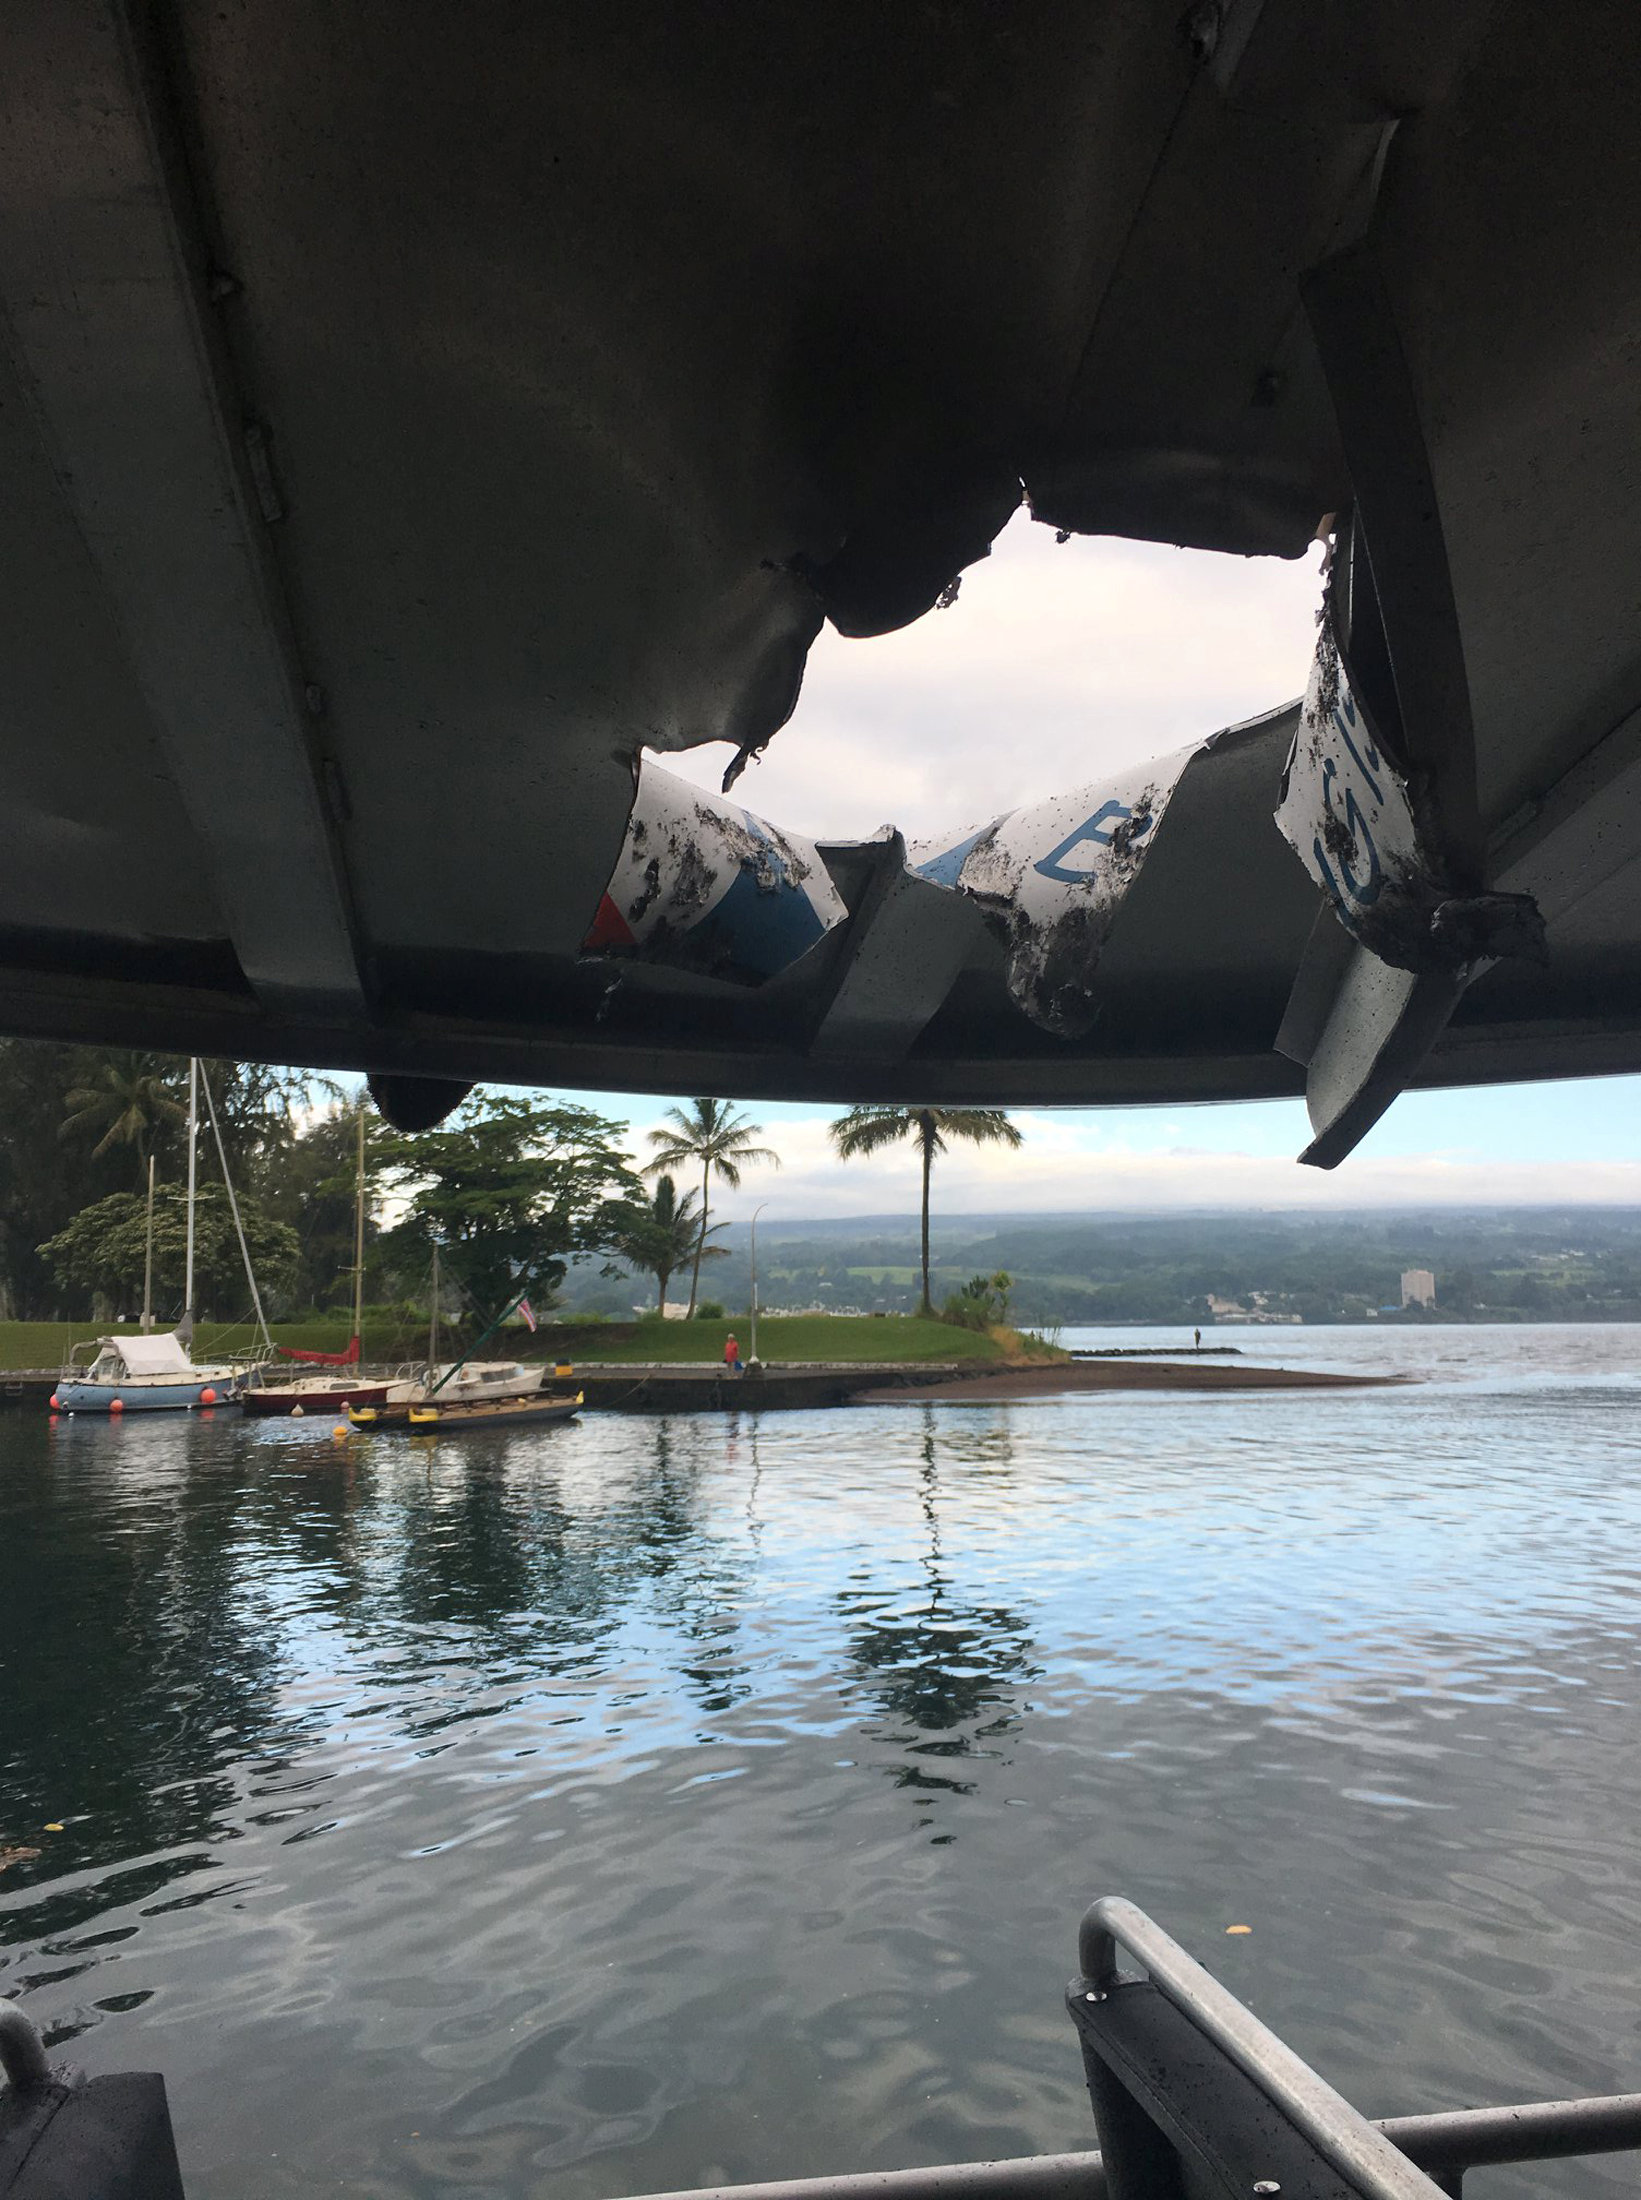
(732, 1357)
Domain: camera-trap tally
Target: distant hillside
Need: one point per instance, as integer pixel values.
(1523, 1263)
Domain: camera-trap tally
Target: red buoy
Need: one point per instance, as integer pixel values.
(116, 1405)
(56, 1403)
(207, 1396)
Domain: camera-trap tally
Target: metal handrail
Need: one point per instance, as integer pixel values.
(1533, 2131)
(1448, 2139)
(1388, 2157)
(1341, 2134)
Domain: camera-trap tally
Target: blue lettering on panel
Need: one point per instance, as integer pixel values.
(946, 868)
(1097, 829)
(1364, 893)
(1344, 717)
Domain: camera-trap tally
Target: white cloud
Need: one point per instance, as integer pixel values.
(1070, 1164)
(1057, 664)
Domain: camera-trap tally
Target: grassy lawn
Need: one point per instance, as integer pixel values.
(46, 1344)
(796, 1337)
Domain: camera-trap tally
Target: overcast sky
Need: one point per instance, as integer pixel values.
(1057, 663)
(1520, 1145)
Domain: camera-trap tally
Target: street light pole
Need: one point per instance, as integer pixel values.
(752, 1337)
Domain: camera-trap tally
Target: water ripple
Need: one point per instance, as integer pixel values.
(656, 1802)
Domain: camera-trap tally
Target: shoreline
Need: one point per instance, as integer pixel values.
(793, 1386)
(1082, 1376)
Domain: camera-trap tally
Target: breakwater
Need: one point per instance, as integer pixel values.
(663, 1387)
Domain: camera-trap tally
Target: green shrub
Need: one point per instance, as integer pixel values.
(982, 1301)
(710, 1311)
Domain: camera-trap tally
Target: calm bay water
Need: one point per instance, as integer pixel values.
(658, 1801)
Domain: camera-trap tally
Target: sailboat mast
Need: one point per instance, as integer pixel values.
(239, 1221)
(187, 1323)
(148, 1258)
(359, 1236)
(433, 1313)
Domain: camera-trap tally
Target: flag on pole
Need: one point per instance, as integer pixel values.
(524, 1309)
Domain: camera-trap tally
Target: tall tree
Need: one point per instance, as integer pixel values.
(661, 1233)
(312, 1189)
(125, 1099)
(868, 1130)
(257, 1113)
(116, 1102)
(710, 1134)
(101, 1251)
(43, 1177)
(510, 1187)
(121, 1101)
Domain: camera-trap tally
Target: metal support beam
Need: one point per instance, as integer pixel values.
(1578, 837)
(103, 282)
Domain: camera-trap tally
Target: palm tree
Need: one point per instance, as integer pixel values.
(129, 1098)
(661, 1236)
(866, 1130)
(708, 1132)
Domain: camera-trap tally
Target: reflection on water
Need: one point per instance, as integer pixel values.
(650, 1802)
(944, 1673)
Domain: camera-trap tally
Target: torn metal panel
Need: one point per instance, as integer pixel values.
(1350, 816)
(1050, 878)
(904, 954)
(1346, 813)
(1365, 1011)
(1362, 1027)
(703, 885)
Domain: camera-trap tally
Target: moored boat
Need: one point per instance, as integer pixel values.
(427, 1412)
(333, 1392)
(142, 1375)
(467, 1382)
(156, 1374)
(444, 1412)
(311, 1394)
(537, 1412)
(436, 1394)
(475, 1383)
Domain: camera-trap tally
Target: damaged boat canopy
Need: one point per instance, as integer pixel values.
(402, 433)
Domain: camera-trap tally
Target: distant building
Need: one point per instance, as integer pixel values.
(1233, 1310)
(1418, 1287)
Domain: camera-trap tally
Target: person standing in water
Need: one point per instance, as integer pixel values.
(1197, 1334)
(732, 1357)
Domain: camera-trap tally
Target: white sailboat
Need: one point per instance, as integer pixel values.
(148, 1374)
(419, 1395)
(457, 1382)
